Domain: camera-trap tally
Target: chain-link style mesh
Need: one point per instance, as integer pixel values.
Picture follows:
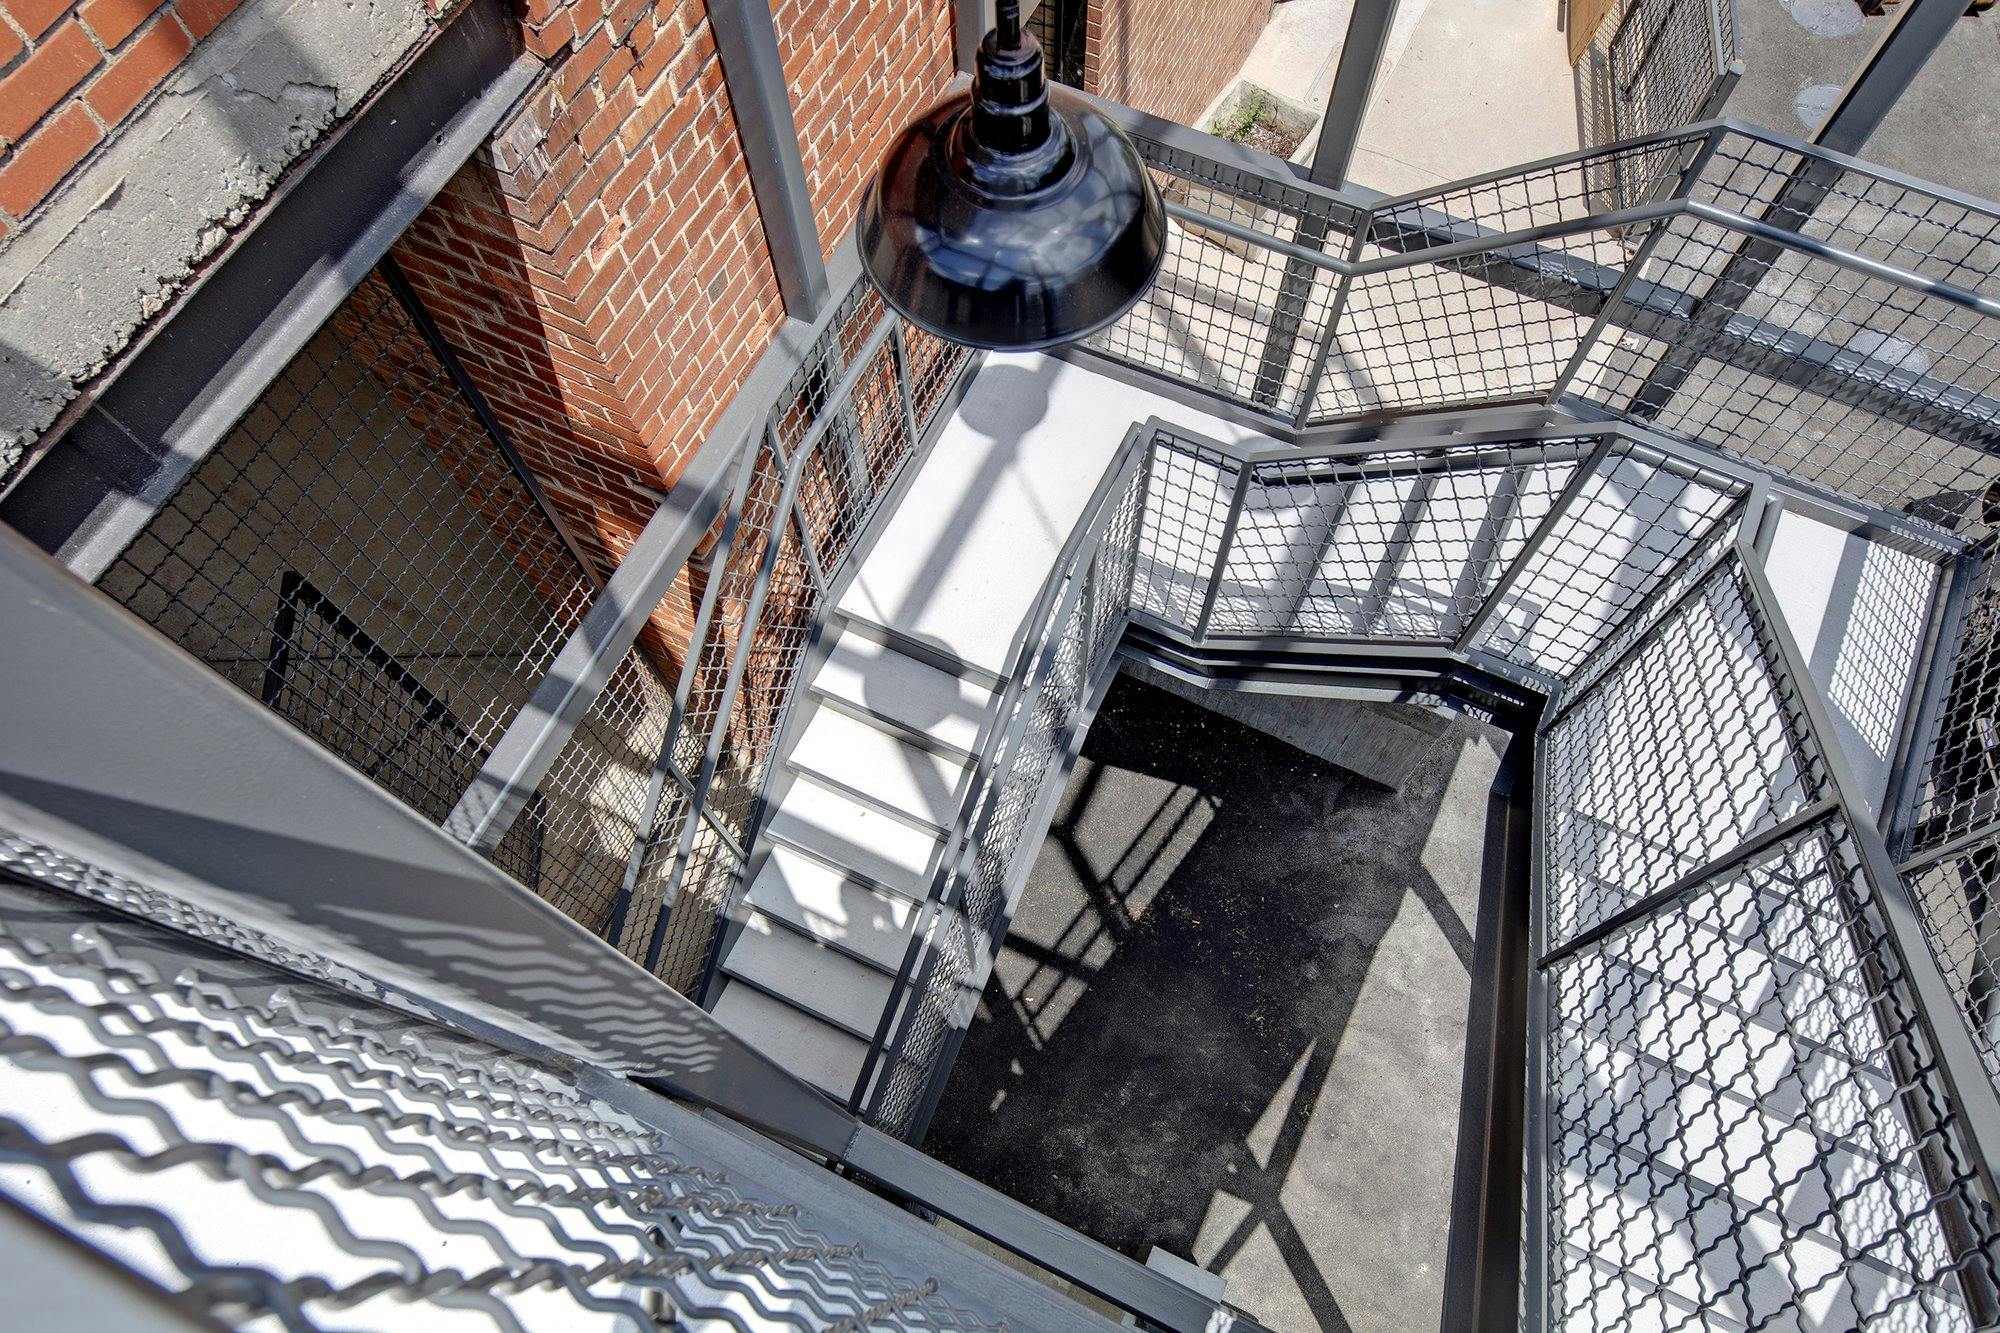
(359, 555)
(1745, 1123)
(268, 1149)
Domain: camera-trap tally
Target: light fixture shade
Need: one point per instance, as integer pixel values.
(1014, 216)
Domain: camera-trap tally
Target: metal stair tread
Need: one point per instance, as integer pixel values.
(816, 1051)
(864, 674)
(880, 768)
(832, 906)
(888, 852)
(824, 982)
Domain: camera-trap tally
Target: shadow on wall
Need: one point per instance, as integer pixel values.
(1181, 972)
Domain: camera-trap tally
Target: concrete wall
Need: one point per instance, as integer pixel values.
(1169, 57)
(134, 138)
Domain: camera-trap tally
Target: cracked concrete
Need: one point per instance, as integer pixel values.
(115, 244)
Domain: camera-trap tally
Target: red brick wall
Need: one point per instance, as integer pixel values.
(71, 73)
(1169, 57)
(859, 71)
(602, 269)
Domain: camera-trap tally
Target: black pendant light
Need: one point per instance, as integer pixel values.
(1014, 216)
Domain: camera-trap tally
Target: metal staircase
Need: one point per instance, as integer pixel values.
(1529, 438)
(863, 811)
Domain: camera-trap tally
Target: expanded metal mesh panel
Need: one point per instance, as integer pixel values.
(854, 462)
(1668, 60)
(359, 555)
(1502, 322)
(1680, 751)
(690, 929)
(592, 799)
(932, 366)
(1188, 496)
(1628, 528)
(1667, 594)
(913, 1060)
(1959, 893)
(273, 1152)
(1746, 1127)
(1391, 545)
(1807, 410)
(770, 673)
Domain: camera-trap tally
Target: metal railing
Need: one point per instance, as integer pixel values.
(1671, 63)
(1056, 669)
(1751, 1098)
(1729, 285)
(1769, 311)
(1752, 1095)
(1537, 557)
(837, 440)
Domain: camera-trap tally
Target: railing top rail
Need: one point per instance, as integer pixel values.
(1479, 242)
(1719, 127)
(1695, 461)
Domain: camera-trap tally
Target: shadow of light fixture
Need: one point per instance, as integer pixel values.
(1013, 216)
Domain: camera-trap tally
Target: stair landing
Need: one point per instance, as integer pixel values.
(958, 565)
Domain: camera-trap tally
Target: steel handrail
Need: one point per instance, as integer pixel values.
(947, 888)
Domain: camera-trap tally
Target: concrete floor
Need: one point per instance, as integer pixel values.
(1229, 1019)
(1465, 86)
(1798, 54)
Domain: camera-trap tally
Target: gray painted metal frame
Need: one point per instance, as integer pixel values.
(761, 100)
(127, 444)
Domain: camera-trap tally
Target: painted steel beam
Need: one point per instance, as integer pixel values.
(762, 102)
(139, 436)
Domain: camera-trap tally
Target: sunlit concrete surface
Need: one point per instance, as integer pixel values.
(1465, 86)
(1229, 1019)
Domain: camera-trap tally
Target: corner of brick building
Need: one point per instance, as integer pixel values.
(858, 72)
(601, 269)
(1169, 58)
(601, 266)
